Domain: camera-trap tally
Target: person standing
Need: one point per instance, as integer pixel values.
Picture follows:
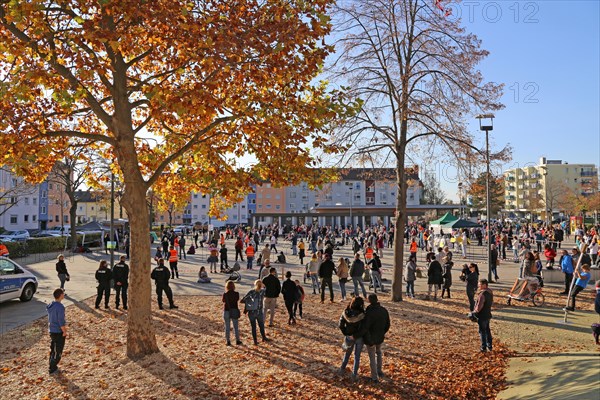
(301, 251)
(448, 264)
(350, 324)
(239, 246)
(57, 327)
(342, 273)
(272, 291)
(289, 291)
(121, 277)
(61, 269)
(103, 276)
(253, 307)
(411, 275)
(483, 312)
(375, 266)
(471, 277)
(173, 259)
(313, 270)
(266, 253)
(376, 325)
(223, 254)
(249, 256)
(357, 269)
(299, 299)
(161, 276)
(566, 265)
(182, 247)
(294, 243)
(434, 277)
(231, 312)
(494, 261)
(326, 270)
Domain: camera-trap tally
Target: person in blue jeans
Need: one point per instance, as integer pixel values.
(253, 301)
(357, 269)
(483, 311)
(582, 280)
(57, 327)
(230, 302)
(351, 325)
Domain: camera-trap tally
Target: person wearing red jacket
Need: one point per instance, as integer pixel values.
(550, 254)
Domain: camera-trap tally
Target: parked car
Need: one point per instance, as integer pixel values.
(16, 281)
(15, 236)
(57, 231)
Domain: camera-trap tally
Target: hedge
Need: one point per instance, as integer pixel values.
(48, 244)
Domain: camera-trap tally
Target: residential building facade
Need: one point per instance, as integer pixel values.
(535, 191)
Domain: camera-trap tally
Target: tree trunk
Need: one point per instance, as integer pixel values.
(397, 284)
(141, 338)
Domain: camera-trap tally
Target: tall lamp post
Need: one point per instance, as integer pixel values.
(545, 174)
(350, 187)
(486, 123)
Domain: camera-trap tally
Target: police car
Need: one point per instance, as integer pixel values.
(16, 281)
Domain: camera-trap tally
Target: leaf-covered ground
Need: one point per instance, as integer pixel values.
(431, 352)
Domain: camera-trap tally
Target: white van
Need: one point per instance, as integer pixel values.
(16, 281)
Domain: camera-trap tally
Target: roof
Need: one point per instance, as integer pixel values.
(361, 174)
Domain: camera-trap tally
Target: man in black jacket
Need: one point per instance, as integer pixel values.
(161, 276)
(483, 312)
(376, 325)
(272, 291)
(326, 270)
(121, 278)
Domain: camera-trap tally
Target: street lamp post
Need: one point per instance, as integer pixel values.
(545, 173)
(112, 220)
(486, 123)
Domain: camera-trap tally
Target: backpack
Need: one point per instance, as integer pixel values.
(251, 301)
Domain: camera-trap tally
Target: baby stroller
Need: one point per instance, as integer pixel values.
(234, 275)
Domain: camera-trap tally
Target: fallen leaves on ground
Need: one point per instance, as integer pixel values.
(431, 352)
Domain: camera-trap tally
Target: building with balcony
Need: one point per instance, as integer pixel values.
(530, 190)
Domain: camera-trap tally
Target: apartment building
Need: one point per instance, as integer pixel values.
(530, 190)
(19, 202)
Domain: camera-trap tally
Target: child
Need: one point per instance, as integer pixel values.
(203, 276)
(299, 299)
(550, 254)
(158, 254)
(580, 284)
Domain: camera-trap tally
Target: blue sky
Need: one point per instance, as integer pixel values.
(548, 55)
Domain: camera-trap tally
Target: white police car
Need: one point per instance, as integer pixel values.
(16, 281)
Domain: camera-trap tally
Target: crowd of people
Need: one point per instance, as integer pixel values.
(361, 326)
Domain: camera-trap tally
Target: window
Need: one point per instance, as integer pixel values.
(13, 200)
(57, 218)
(292, 205)
(260, 206)
(277, 197)
(267, 196)
(80, 208)
(26, 199)
(253, 201)
(243, 206)
(203, 205)
(277, 207)
(34, 218)
(195, 206)
(203, 196)
(268, 206)
(49, 186)
(92, 208)
(13, 219)
(267, 185)
(14, 182)
(66, 218)
(292, 195)
(35, 201)
(195, 195)
(25, 218)
(259, 196)
(162, 217)
(44, 194)
(234, 216)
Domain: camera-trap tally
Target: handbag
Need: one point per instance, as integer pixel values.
(234, 313)
(348, 342)
(67, 277)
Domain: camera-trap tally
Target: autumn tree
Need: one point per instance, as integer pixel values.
(169, 94)
(477, 191)
(416, 72)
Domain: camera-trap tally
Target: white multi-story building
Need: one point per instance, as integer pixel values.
(19, 203)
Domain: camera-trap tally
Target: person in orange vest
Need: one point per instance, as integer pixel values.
(368, 253)
(222, 239)
(413, 248)
(4, 250)
(249, 255)
(173, 257)
(213, 257)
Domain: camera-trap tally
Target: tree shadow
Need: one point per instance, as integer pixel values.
(177, 378)
(70, 387)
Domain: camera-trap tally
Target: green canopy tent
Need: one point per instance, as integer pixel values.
(460, 223)
(439, 223)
